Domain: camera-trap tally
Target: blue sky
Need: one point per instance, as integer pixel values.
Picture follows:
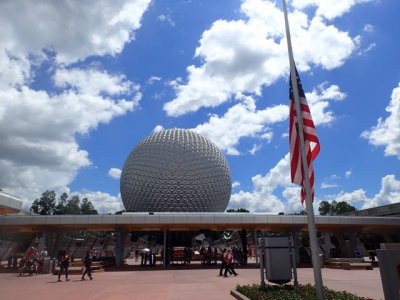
(81, 83)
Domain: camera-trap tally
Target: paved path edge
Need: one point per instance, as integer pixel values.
(235, 294)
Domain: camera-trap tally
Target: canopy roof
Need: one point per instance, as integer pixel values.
(193, 222)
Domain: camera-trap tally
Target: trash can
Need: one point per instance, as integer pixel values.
(52, 265)
(389, 267)
(46, 265)
(278, 262)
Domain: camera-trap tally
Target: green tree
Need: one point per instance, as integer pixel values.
(334, 208)
(325, 208)
(87, 207)
(46, 204)
(343, 207)
(242, 210)
(73, 206)
(65, 205)
(62, 203)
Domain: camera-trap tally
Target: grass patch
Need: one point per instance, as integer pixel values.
(290, 292)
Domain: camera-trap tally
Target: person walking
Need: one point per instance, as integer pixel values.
(87, 262)
(64, 265)
(229, 266)
(223, 264)
(215, 255)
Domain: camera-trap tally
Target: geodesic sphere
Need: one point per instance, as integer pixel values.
(175, 170)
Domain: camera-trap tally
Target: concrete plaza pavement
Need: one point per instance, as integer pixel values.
(179, 283)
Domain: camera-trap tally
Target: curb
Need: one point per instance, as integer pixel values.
(235, 294)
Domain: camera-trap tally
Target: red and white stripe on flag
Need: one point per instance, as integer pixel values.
(311, 142)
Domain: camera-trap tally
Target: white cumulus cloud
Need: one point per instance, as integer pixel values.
(244, 120)
(38, 128)
(262, 199)
(329, 9)
(241, 120)
(71, 30)
(318, 100)
(39, 150)
(115, 173)
(388, 194)
(242, 56)
(104, 202)
(386, 132)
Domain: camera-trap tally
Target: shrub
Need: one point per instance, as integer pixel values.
(290, 292)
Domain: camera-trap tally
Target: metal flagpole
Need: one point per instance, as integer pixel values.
(309, 206)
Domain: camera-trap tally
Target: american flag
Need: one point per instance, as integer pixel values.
(311, 143)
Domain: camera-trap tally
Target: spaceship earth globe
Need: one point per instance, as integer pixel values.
(175, 170)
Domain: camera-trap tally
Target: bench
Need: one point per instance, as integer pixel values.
(334, 264)
(348, 263)
(358, 265)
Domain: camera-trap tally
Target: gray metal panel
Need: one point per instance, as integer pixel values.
(234, 219)
(51, 220)
(261, 219)
(299, 219)
(124, 219)
(180, 219)
(193, 218)
(97, 220)
(166, 219)
(138, 219)
(389, 264)
(331, 220)
(278, 261)
(363, 221)
(31, 219)
(67, 219)
(341, 221)
(247, 218)
(378, 220)
(13, 220)
(82, 219)
(275, 219)
(352, 220)
(221, 219)
(155, 219)
(322, 220)
(109, 219)
(208, 219)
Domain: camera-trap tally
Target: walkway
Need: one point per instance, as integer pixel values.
(173, 284)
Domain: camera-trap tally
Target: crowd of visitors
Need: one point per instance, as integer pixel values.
(32, 262)
(229, 258)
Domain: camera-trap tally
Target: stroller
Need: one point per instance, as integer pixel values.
(29, 267)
